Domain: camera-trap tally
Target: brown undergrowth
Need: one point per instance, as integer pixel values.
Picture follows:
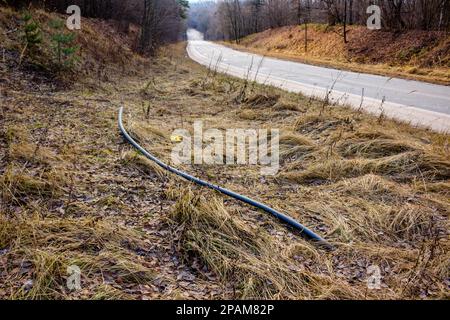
(415, 54)
(73, 193)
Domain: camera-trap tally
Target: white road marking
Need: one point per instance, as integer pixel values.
(418, 103)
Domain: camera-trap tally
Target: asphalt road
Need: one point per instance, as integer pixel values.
(416, 102)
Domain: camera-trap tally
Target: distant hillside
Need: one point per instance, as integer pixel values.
(421, 55)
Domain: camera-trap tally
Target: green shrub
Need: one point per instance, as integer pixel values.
(63, 45)
(32, 34)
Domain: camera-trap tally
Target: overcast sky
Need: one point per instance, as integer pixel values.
(192, 1)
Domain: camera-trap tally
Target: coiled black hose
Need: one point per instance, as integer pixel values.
(304, 231)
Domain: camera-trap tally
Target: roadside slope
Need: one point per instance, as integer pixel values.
(417, 103)
(74, 193)
(417, 55)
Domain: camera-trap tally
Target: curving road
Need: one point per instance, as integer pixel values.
(416, 102)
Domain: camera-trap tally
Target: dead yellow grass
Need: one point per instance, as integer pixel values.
(247, 259)
(31, 153)
(326, 48)
(143, 164)
(402, 166)
(362, 182)
(48, 246)
(378, 190)
(16, 184)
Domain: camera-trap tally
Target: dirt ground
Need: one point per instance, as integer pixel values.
(73, 193)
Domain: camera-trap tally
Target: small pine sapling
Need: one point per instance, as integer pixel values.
(63, 44)
(32, 35)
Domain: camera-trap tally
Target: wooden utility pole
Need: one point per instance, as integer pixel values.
(345, 20)
(307, 12)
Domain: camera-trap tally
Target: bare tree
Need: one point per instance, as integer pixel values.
(234, 19)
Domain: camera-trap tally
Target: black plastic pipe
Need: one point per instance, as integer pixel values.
(304, 231)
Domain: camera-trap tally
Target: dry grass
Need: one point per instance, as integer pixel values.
(405, 166)
(48, 246)
(16, 185)
(247, 259)
(378, 191)
(415, 54)
(141, 163)
(292, 139)
(376, 148)
(262, 101)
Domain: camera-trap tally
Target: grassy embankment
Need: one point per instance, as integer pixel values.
(73, 193)
(417, 55)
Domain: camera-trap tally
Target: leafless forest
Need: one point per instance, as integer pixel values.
(234, 19)
(161, 21)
